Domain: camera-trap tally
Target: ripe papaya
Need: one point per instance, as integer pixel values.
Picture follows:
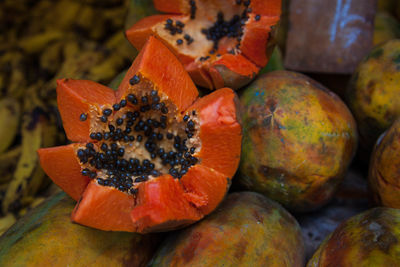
(384, 168)
(298, 141)
(220, 43)
(367, 239)
(246, 230)
(45, 237)
(151, 156)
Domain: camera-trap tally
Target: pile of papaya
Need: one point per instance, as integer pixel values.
(188, 133)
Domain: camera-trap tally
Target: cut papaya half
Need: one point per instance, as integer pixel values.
(221, 43)
(151, 156)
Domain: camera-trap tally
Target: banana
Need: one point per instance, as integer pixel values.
(37, 131)
(120, 45)
(76, 39)
(29, 203)
(6, 222)
(92, 22)
(51, 60)
(8, 162)
(62, 15)
(38, 42)
(107, 69)
(13, 63)
(10, 112)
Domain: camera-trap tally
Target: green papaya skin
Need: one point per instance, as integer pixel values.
(45, 236)
(247, 229)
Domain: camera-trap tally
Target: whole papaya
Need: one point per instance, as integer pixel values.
(384, 169)
(46, 237)
(368, 239)
(298, 140)
(373, 94)
(386, 28)
(246, 230)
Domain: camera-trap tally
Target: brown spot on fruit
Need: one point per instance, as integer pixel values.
(241, 249)
(189, 251)
(258, 216)
(367, 239)
(239, 239)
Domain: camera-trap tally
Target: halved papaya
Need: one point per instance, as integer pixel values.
(151, 156)
(220, 43)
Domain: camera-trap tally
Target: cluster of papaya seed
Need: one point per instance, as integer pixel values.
(177, 29)
(232, 28)
(121, 169)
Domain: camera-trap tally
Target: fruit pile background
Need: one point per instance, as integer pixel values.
(45, 40)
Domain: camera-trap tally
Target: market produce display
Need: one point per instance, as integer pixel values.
(199, 133)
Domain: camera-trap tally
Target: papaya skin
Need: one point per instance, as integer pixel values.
(368, 239)
(373, 94)
(162, 203)
(299, 139)
(383, 177)
(216, 71)
(246, 230)
(386, 28)
(45, 237)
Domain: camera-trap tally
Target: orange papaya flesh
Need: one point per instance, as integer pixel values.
(166, 196)
(200, 33)
(104, 208)
(219, 128)
(166, 75)
(61, 164)
(80, 97)
(155, 156)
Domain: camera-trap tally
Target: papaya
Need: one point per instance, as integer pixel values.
(384, 168)
(373, 94)
(151, 156)
(45, 237)
(247, 229)
(298, 140)
(221, 43)
(367, 239)
(387, 5)
(386, 28)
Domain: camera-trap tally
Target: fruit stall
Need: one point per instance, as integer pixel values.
(200, 133)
